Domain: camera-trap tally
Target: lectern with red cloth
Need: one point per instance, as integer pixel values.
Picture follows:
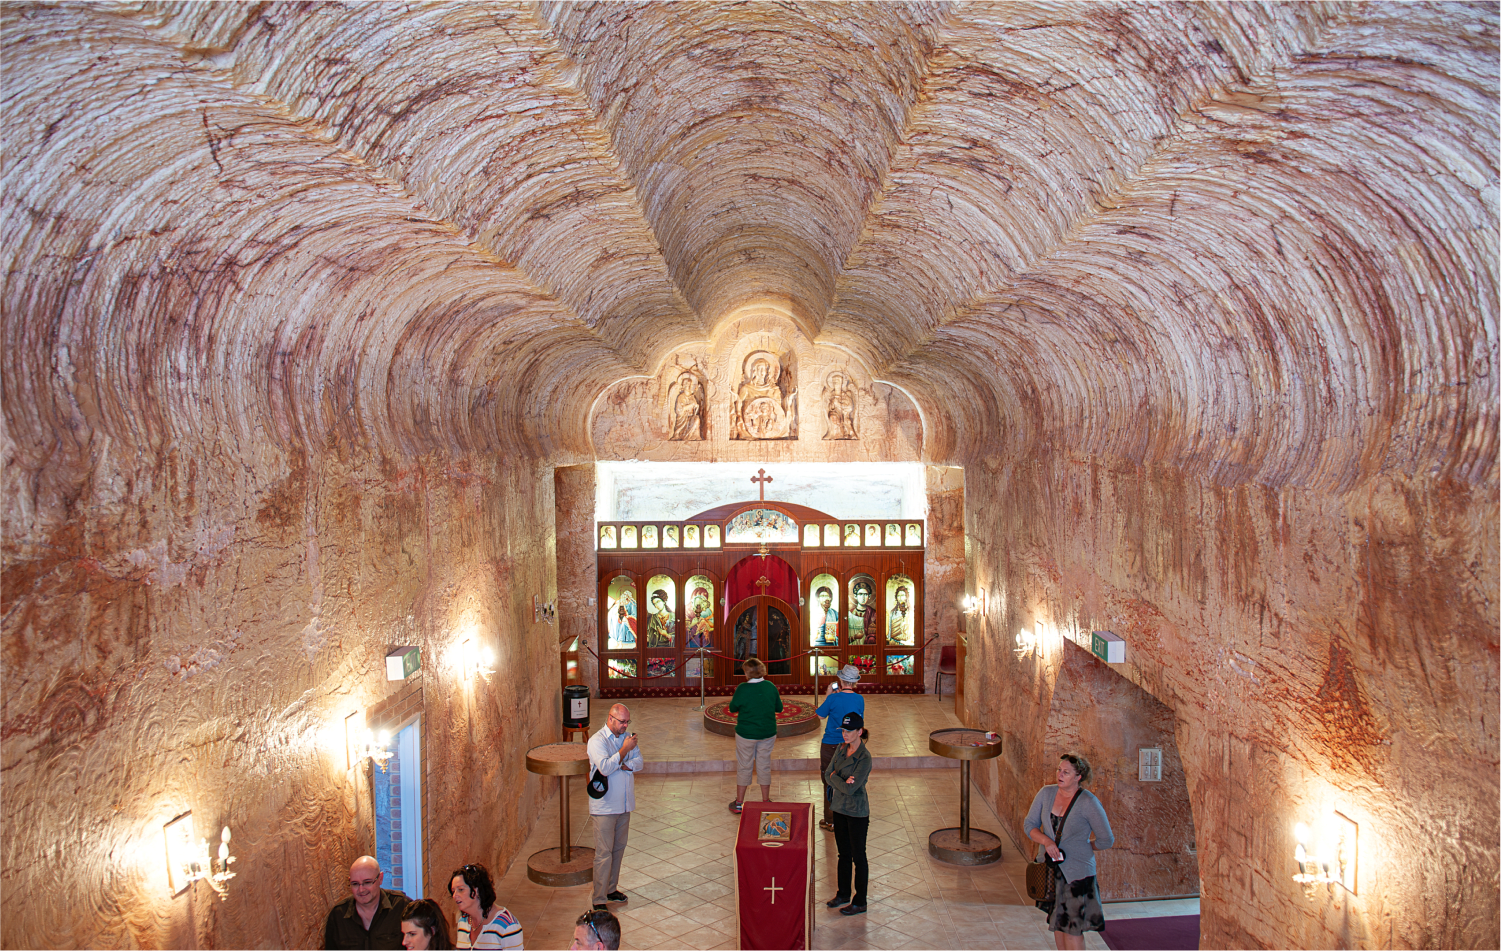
(773, 894)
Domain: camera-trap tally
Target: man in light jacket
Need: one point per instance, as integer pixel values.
(613, 751)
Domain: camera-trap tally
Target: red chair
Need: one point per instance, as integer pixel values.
(948, 663)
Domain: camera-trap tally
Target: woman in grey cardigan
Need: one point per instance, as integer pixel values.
(1073, 815)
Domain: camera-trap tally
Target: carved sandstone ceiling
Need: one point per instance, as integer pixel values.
(1253, 241)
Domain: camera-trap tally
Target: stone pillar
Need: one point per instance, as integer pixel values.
(573, 487)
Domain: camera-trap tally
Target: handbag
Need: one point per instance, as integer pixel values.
(1040, 881)
(1043, 874)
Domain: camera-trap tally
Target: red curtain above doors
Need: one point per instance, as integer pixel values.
(745, 574)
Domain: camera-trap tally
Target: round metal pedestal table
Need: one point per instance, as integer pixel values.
(566, 864)
(964, 846)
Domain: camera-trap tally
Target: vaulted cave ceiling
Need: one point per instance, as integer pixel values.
(1257, 242)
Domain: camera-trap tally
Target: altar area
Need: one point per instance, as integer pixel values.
(678, 868)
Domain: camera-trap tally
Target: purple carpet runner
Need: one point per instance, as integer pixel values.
(1172, 933)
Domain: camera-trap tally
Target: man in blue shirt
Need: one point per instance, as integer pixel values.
(841, 699)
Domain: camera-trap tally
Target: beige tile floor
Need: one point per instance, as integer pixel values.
(678, 868)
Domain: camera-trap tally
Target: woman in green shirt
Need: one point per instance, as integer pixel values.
(848, 772)
(756, 704)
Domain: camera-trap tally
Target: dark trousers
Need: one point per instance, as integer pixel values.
(849, 836)
(825, 754)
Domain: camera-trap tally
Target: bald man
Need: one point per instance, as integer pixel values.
(371, 917)
(614, 753)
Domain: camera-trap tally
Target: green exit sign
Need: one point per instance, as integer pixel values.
(402, 662)
(1107, 646)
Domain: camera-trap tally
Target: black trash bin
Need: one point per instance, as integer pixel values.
(575, 707)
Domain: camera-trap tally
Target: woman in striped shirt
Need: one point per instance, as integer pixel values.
(482, 923)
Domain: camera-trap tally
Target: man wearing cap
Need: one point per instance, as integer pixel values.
(841, 699)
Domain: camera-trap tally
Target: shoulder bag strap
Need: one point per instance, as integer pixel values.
(1071, 804)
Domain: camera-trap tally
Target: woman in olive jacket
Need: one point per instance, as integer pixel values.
(848, 772)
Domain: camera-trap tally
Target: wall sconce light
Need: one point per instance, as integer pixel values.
(543, 612)
(188, 858)
(362, 745)
(1326, 853)
(1026, 642)
(975, 603)
(476, 661)
(375, 748)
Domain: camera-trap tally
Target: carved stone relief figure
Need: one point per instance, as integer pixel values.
(839, 403)
(765, 404)
(686, 404)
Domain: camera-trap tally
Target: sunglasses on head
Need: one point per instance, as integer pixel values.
(595, 931)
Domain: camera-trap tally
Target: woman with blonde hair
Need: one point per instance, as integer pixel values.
(1073, 816)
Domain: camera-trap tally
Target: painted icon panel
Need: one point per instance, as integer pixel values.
(823, 666)
(778, 642)
(648, 536)
(810, 536)
(914, 535)
(670, 537)
(661, 605)
(761, 525)
(900, 665)
(620, 615)
(621, 668)
(862, 624)
(690, 536)
(865, 663)
(823, 614)
(852, 536)
(627, 536)
(657, 667)
(746, 638)
(699, 611)
(607, 536)
(711, 536)
(872, 535)
(899, 621)
(831, 536)
(893, 533)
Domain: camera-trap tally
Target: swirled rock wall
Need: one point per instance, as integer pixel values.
(192, 632)
(1097, 713)
(302, 302)
(1318, 653)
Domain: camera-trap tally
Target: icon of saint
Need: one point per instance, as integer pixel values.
(839, 400)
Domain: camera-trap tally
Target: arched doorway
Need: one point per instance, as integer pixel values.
(763, 626)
